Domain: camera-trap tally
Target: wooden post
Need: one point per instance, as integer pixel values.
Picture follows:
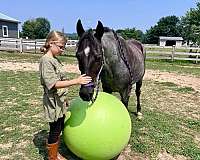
(197, 59)
(35, 45)
(20, 45)
(173, 51)
(16, 44)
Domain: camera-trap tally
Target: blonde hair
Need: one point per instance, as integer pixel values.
(53, 36)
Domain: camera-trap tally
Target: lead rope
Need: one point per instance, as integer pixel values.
(98, 78)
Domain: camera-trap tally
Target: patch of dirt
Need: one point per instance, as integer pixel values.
(175, 103)
(163, 155)
(6, 146)
(182, 80)
(25, 66)
(22, 144)
(127, 154)
(194, 134)
(5, 158)
(197, 139)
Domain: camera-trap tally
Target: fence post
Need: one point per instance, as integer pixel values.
(20, 45)
(173, 51)
(197, 57)
(35, 45)
(16, 44)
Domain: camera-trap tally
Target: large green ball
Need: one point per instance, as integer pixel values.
(97, 131)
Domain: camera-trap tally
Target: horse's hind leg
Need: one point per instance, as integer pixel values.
(125, 95)
(138, 92)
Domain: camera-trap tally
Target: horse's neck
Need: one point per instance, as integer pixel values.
(111, 51)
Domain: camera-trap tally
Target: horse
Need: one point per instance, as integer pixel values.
(119, 63)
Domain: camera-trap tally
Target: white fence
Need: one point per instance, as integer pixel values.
(173, 53)
(26, 45)
(153, 52)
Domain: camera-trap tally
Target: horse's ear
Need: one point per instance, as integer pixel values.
(79, 28)
(99, 30)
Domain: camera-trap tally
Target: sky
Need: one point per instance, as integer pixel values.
(116, 14)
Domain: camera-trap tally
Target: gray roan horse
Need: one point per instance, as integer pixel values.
(119, 63)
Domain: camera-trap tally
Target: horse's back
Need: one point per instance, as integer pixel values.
(136, 57)
(136, 44)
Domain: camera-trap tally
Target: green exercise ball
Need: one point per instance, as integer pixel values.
(99, 130)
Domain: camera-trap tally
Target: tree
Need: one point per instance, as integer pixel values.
(28, 29)
(36, 28)
(131, 33)
(42, 28)
(73, 36)
(191, 25)
(167, 26)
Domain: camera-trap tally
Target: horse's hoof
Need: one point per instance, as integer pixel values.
(139, 115)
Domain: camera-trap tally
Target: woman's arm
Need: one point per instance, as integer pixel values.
(83, 79)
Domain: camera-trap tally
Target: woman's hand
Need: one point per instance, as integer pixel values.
(83, 79)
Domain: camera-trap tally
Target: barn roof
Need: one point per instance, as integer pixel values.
(171, 38)
(7, 18)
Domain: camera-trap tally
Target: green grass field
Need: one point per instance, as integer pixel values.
(171, 113)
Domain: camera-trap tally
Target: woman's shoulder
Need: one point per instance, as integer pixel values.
(45, 59)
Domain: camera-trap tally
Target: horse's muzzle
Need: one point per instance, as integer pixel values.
(86, 91)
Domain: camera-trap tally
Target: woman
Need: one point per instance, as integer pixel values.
(54, 82)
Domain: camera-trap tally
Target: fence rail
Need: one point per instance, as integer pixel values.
(152, 51)
(173, 53)
(25, 45)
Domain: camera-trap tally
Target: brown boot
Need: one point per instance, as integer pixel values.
(53, 152)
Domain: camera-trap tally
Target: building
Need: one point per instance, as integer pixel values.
(9, 27)
(170, 41)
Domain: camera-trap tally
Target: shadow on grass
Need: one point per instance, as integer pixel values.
(40, 142)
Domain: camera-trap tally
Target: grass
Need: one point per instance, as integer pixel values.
(165, 124)
(161, 131)
(23, 124)
(21, 114)
(67, 57)
(180, 67)
(174, 87)
(171, 114)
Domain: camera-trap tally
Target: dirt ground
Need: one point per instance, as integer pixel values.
(127, 154)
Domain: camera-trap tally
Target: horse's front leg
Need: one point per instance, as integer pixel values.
(138, 92)
(106, 88)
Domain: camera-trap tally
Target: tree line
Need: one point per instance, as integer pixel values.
(187, 26)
